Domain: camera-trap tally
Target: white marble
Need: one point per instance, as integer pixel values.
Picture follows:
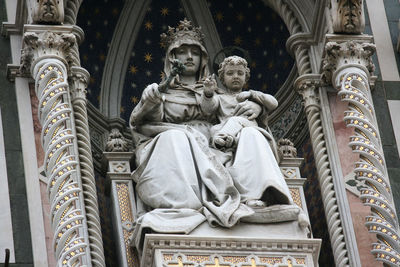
(31, 173)
(394, 108)
(384, 46)
(282, 230)
(6, 236)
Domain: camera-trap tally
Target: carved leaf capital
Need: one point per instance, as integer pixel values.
(79, 80)
(339, 55)
(306, 86)
(45, 44)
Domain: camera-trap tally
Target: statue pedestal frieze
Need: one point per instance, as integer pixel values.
(229, 251)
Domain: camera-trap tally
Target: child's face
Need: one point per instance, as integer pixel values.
(235, 77)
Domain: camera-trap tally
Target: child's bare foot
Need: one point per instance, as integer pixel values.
(223, 140)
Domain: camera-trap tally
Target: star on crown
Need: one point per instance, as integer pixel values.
(185, 29)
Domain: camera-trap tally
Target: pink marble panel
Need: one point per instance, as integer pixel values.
(347, 159)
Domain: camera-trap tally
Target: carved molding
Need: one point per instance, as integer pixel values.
(307, 86)
(348, 16)
(123, 203)
(216, 247)
(352, 78)
(300, 49)
(48, 12)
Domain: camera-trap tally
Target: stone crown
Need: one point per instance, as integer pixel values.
(185, 30)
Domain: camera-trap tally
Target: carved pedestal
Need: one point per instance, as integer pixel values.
(123, 203)
(245, 244)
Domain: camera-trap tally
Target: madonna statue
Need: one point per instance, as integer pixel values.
(181, 179)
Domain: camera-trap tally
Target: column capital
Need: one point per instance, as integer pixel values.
(306, 86)
(347, 51)
(79, 78)
(48, 41)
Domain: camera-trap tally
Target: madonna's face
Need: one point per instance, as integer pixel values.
(190, 56)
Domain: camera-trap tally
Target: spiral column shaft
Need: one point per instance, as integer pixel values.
(348, 65)
(370, 168)
(78, 81)
(307, 88)
(44, 53)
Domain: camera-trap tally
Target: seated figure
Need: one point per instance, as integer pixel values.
(182, 181)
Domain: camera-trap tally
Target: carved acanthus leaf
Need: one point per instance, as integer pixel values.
(347, 16)
(45, 44)
(79, 80)
(286, 149)
(116, 142)
(306, 86)
(347, 53)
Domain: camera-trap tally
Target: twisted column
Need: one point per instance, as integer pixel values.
(307, 86)
(78, 80)
(44, 54)
(71, 11)
(298, 45)
(297, 48)
(349, 65)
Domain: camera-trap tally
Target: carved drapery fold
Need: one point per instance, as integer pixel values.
(349, 65)
(307, 86)
(45, 55)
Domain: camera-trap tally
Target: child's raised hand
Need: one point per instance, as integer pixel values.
(210, 85)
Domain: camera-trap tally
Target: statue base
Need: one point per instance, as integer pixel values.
(245, 245)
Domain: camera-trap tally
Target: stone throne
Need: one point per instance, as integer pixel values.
(245, 244)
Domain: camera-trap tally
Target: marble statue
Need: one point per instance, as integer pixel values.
(233, 73)
(182, 180)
